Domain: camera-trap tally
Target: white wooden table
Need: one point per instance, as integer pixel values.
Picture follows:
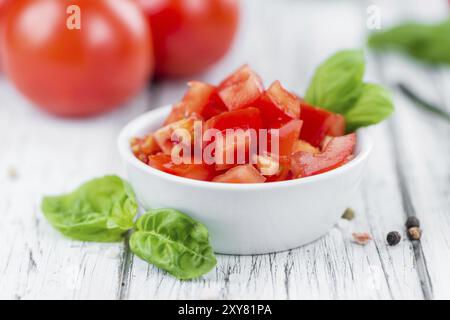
(409, 174)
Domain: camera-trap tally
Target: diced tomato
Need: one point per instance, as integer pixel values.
(304, 146)
(288, 135)
(336, 125)
(318, 123)
(201, 100)
(248, 118)
(310, 140)
(241, 89)
(241, 174)
(278, 106)
(163, 136)
(144, 147)
(325, 141)
(335, 154)
(283, 174)
(267, 165)
(214, 107)
(176, 114)
(164, 163)
(236, 145)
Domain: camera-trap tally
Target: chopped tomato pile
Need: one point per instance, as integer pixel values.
(227, 122)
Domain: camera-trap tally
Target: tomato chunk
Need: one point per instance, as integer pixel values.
(144, 147)
(278, 105)
(241, 174)
(288, 135)
(164, 163)
(241, 89)
(236, 148)
(201, 100)
(248, 118)
(336, 153)
(304, 146)
(283, 174)
(163, 136)
(317, 123)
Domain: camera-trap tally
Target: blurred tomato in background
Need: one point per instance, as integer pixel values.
(3, 6)
(88, 70)
(77, 72)
(190, 35)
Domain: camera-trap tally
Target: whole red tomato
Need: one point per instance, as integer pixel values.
(190, 35)
(73, 71)
(3, 6)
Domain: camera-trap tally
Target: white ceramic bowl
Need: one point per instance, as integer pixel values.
(247, 218)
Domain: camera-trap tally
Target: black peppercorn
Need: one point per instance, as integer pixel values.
(412, 222)
(393, 238)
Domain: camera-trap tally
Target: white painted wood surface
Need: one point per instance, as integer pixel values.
(409, 174)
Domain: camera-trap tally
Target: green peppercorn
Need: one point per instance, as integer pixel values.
(393, 238)
(412, 222)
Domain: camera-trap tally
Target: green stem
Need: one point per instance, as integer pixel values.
(422, 103)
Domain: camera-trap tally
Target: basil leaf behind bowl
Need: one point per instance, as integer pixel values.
(337, 82)
(174, 242)
(101, 210)
(373, 106)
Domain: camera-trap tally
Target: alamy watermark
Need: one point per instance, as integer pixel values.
(373, 21)
(73, 21)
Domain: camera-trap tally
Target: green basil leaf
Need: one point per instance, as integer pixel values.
(337, 83)
(429, 43)
(101, 210)
(374, 105)
(174, 242)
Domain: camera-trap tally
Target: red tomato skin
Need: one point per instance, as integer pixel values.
(241, 89)
(248, 118)
(283, 175)
(201, 100)
(164, 163)
(317, 123)
(336, 153)
(241, 174)
(288, 134)
(190, 36)
(77, 73)
(336, 125)
(278, 106)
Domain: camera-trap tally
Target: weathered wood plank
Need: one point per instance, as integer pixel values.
(51, 156)
(422, 154)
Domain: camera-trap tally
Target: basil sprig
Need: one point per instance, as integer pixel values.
(173, 242)
(338, 86)
(429, 43)
(103, 210)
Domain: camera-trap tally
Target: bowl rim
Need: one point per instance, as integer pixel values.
(148, 119)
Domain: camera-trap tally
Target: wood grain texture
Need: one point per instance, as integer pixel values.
(422, 153)
(282, 39)
(52, 156)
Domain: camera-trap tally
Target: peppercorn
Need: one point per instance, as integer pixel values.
(349, 214)
(393, 238)
(412, 222)
(414, 233)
